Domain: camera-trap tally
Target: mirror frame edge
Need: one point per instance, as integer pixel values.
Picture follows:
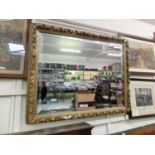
(31, 114)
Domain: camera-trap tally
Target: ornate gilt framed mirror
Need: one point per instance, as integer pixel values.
(73, 74)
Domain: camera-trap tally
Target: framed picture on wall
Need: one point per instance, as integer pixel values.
(142, 98)
(13, 48)
(141, 55)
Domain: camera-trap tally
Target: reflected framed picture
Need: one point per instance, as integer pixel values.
(13, 48)
(141, 55)
(142, 98)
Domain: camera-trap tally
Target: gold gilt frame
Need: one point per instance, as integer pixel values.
(32, 116)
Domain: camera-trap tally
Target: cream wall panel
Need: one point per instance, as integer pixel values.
(7, 114)
(24, 85)
(17, 113)
(11, 87)
(7, 84)
(119, 126)
(100, 130)
(12, 92)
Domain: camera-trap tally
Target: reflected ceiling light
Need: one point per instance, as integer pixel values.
(114, 55)
(86, 40)
(18, 53)
(2, 68)
(15, 47)
(70, 50)
(114, 45)
(118, 47)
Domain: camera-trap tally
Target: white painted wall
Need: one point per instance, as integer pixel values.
(13, 92)
(128, 26)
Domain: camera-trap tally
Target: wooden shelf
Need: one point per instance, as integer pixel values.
(84, 98)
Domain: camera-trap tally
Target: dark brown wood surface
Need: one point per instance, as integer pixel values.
(145, 130)
(74, 129)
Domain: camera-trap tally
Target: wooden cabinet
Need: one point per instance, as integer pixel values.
(85, 100)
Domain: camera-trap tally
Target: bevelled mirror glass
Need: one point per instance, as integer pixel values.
(75, 75)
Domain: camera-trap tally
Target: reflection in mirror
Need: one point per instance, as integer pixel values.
(78, 74)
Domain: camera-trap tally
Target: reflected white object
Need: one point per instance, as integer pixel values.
(54, 100)
(83, 105)
(67, 117)
(59, 107)
(15, 47)
(113, 98)
(114, 55)
(2, 68)
(67, 84)
(70, 50)
(105, 97)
